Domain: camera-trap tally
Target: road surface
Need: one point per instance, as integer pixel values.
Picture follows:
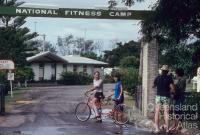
(50, 111)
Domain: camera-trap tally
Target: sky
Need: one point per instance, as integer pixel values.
(106, 31)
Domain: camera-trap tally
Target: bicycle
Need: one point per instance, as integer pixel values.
(84, 110)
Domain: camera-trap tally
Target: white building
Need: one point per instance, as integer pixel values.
(48, 66)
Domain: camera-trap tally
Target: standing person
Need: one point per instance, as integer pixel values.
(98, 90)
(165, 85)
(179, 98)
(117, 94)
(118, 91)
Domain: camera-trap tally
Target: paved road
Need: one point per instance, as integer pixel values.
(49, 111)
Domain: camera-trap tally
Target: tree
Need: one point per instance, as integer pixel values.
(92, 55)
(177, 56)
(174, 24)
(82, 45)
(65, 44)
(114, 56)
(113, 3)
(173, 20)
(15, 40)
(47, 46)
(196, 56)
(23, 74)
(130, 62)
(71, 45)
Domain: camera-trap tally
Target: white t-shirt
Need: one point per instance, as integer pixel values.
(99, 84)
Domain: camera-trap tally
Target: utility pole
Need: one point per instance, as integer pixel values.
(44, 37)
(85, 34)
(35, 26)
(6, 17)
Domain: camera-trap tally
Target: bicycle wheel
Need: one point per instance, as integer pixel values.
(83, 112)
(121, 114)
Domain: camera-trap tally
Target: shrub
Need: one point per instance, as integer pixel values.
(23, 74)
(4, 81)
(193, 98)
(70, 78)
(3, 78)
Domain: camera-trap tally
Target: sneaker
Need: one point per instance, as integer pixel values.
(99, 120)
(157, 131)
(167, 132)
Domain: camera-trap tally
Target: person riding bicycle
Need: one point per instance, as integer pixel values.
(98, 89)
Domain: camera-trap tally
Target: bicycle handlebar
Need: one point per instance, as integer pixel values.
(86, 93)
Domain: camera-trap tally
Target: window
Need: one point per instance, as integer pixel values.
(53, 69)
(41, 71)
(64, 68)
(75, 67)
(84, 68)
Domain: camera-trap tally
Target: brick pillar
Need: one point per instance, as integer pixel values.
(198, 79)
(149, 72)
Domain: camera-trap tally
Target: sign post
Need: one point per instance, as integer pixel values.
(198, 79)
(11, 78)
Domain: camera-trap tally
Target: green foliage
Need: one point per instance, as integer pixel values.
(76, 45)
(131, 48)
(91, 55)
(47, 46)
(173, 24)
(193, 99)
(13, 46)
(15, 40)
(23, 74)
(70, 78)
(130, 61)
(130, 79)
(113, 3)
(178, 56)
(177, 20)
(3, 78)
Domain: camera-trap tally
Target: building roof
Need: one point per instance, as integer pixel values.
(75, 59)
(72, 59)
(46, 57)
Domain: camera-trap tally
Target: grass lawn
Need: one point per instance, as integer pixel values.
(189, 88)
(17, 95)
(130, 102)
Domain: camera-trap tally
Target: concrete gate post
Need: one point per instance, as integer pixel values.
(149, 70)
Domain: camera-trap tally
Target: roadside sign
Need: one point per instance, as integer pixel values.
(11, 77)
(7, 64)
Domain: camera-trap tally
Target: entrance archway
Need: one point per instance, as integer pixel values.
(149, 53)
